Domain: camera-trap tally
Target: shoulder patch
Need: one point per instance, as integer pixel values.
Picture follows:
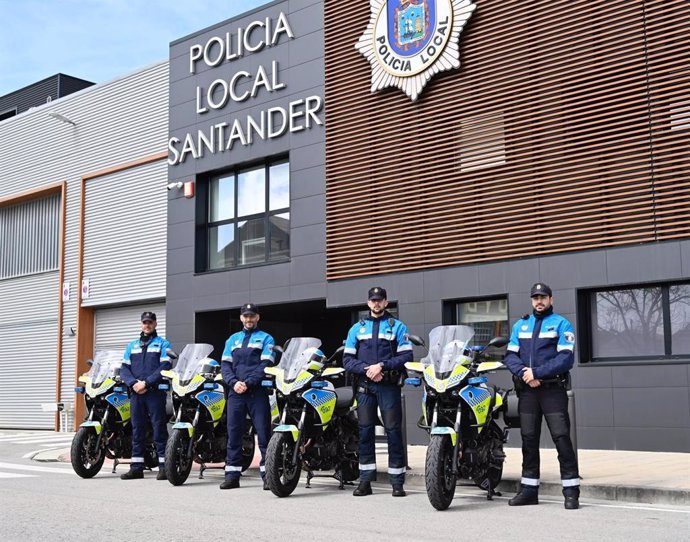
(569, 336)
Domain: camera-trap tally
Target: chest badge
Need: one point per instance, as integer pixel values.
(524, 327)
(362, 330)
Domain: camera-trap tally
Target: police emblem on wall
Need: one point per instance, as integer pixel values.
(409, 41)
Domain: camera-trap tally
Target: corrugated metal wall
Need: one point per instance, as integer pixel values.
(116, 123)
(28, 350)
(118, 326)
(576, 112)
(29, 237)
(125, 231)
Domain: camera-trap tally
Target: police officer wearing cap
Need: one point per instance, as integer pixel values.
(376, 351)
(142, 363)
(540, 356)
(246, 355)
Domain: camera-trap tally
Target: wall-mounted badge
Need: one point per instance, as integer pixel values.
(409, 41)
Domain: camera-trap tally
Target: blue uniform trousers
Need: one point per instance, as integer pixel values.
(149, 406)
(255, 402)
(388, 399)
(552, 404)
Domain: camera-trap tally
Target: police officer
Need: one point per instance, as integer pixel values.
(246, 355)
(143, 361)
(540, 356)
(376, 351)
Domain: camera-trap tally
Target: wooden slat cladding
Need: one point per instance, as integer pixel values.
(566, 128)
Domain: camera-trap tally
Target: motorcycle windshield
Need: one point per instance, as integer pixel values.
(448, 346)
(189, 362)
(105, 362)
(292, 361)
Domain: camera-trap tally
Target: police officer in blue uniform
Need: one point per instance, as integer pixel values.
(540, 356)
(143, 361)
(376, 351)
(246, 355)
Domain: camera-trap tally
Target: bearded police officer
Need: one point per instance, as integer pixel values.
(376, 351)
(246, 355)
(540, 356)
(143, 361)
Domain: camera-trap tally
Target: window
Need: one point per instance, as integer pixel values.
(488, 317)
(30, 237)
(637, 323)
(246, 217)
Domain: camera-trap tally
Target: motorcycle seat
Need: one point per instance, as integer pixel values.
(344, 397)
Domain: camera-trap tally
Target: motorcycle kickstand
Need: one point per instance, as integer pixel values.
(115, 464)
(202, 468)
(310, 475)
(339, 476)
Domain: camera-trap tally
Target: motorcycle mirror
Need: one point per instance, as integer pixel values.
(89, 362)
(416, 340)
(497, 342)
(278, 348)
(338, 352)
(171, 353)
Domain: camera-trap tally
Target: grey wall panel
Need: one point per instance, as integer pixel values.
(125, 232)
(115, 327)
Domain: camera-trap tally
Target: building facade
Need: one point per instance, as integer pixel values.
(556, 152)
(82, 237)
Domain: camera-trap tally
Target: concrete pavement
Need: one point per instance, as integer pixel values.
(617, 475)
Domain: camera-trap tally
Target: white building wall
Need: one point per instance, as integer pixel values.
(115, 123)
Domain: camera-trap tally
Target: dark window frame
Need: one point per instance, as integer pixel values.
(585, 339)
(204, 225)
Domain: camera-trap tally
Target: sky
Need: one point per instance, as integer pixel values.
(97, 40)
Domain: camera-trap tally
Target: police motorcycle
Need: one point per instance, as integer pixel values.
(199, 433)
(107, 431)
(460, 412)
(318, 430)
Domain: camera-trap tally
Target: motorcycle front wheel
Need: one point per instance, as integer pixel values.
(177, 463)
(282, 473)
(86, 458)
(439, 477)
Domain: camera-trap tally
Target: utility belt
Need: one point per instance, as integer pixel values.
(391, 378)
(557, 382)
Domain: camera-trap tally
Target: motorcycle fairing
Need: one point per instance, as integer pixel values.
(122, 404)
(323, 402)
(489, 366)
(214, 401)
(456, 376)
(196, 381)
(478, 398)
(93, 391)
(286, 388)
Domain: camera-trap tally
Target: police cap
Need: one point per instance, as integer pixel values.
(249, 308)
(540, 289)
(377, 293)
(148, 316)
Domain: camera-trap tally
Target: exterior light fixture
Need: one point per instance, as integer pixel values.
(61, 118)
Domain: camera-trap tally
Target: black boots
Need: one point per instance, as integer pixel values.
(266, 488)
(132, 475)
(527, 495)
(364, 488)
(161, 474)
(398, 491)
(230, 484)
(572, 498)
